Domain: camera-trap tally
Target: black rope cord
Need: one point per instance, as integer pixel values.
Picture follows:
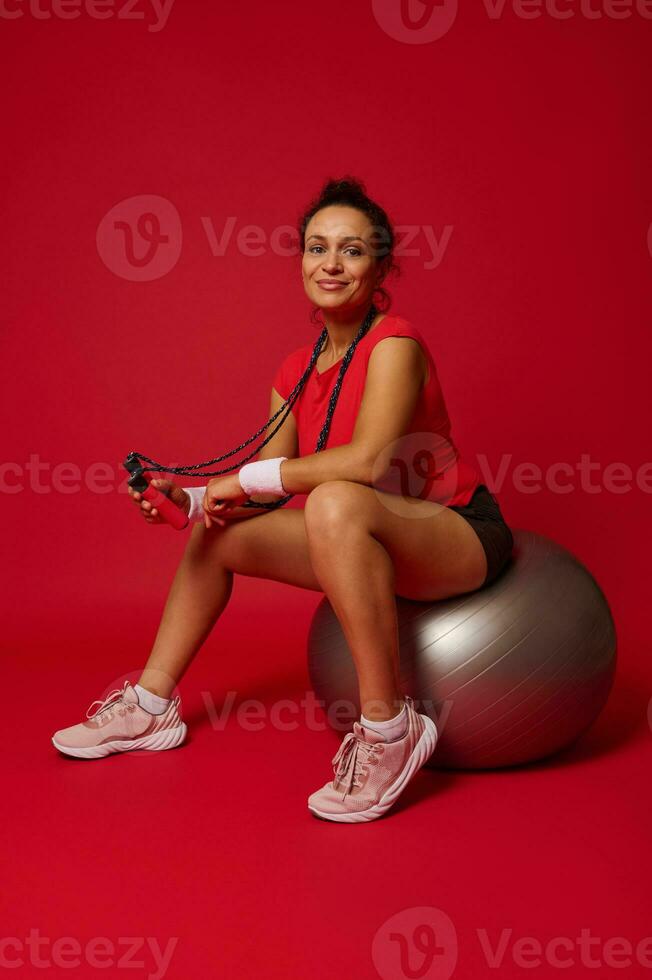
(188, 470)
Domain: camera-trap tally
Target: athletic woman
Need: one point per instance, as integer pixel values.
(367, 533)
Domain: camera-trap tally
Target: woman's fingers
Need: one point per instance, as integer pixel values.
(138, 500)
(150, 514)
(209, 521)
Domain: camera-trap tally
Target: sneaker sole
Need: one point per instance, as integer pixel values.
(420, 754)
(169, 738)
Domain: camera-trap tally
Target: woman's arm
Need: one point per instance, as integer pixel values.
(285, 442)
(395, 375)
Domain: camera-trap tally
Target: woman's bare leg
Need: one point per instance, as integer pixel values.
(366, 547)
(347, 543)
(200, 591)
(268, 545)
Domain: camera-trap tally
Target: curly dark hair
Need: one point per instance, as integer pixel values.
(351, 192)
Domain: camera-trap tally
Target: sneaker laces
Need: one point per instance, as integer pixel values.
(350, 761)
(110, 702)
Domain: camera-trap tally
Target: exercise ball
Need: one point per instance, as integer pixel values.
(509, 673)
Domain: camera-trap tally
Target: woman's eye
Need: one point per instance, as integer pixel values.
(351, 248)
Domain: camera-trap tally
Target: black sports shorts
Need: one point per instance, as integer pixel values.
(483, 514)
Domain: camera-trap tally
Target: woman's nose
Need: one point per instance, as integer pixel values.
(331, 263)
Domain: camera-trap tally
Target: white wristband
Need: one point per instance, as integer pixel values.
(196, 494)
(263, 476)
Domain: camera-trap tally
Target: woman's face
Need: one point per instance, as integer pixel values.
(339, 248)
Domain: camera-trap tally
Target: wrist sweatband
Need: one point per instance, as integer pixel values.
(196, 494)
(263, 476)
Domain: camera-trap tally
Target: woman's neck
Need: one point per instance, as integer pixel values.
(342, 332)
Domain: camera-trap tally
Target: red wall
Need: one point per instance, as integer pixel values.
(520, 143)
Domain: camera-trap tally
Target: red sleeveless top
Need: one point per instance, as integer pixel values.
(425, 462)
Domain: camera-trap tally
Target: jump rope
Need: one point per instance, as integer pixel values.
(141, 475)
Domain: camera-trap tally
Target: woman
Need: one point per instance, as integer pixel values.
(361, 538)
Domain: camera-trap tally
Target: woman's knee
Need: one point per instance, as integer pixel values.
(213, 541)
(332, 505)
(200, 537)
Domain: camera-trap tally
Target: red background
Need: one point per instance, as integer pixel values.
(530, 139)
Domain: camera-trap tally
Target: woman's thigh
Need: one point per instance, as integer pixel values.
(435, 552)
(272, 545)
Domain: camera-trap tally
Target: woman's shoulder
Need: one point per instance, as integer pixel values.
(397, 322)
(395, 325)
(298, 355)
(291, 368)
(392, 324)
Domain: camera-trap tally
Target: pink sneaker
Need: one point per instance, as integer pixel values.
(371, 773)
(121, 724)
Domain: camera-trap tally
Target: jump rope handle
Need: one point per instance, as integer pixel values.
(141, 480)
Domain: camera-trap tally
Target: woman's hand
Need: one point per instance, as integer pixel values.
(176, 494)
(223, 495)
